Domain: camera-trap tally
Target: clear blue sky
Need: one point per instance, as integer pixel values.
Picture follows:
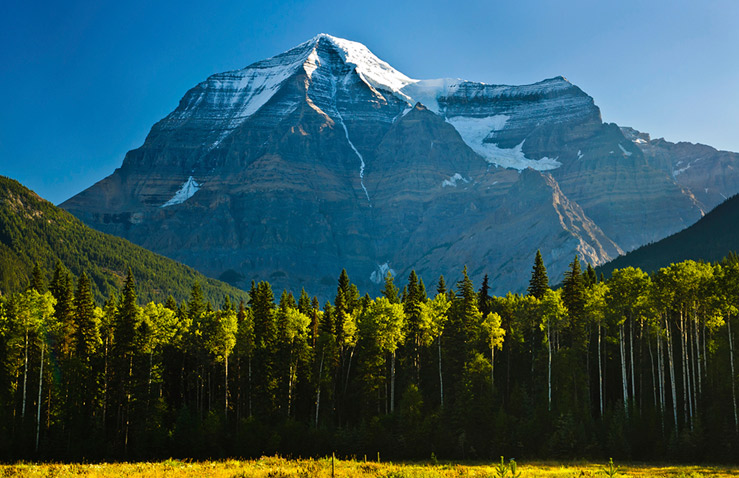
(83, 81)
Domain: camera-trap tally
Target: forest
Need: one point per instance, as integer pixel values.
(635, 366)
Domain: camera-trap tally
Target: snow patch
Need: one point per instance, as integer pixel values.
(378, 275)
(640, 141)
(373, 71)
(427, 92)
(452, 181)
(626, 153)
(184, 193)
(677, 172)
(474, 131)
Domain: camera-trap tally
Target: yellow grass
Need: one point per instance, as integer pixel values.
(274, 467)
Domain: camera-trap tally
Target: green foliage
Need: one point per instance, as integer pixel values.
(501, 469)
(634, 367)
(539, 282)
(610, 470)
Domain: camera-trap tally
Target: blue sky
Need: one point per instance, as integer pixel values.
(83, 81)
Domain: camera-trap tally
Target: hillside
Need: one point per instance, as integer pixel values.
(32, 229)
(710, 239)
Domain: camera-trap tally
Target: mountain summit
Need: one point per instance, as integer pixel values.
(325, 157)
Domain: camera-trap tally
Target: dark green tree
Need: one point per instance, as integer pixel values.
(539, 282)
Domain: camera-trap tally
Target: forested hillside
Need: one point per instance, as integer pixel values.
(639, 367)
(33, 230)
(714, 236)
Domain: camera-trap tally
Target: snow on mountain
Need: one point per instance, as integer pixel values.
(475, 131)
(184, 193)
(226, 100)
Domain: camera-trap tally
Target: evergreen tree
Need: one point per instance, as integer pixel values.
(441, 285)
(539, 282)
(573, 296)
(38, 282)
(265, 349)
(590, 276)
(390, 291)
(87, 336)
(196, 305)
(484, 301)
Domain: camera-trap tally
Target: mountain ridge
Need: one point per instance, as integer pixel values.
(339, 158)
(33, 230)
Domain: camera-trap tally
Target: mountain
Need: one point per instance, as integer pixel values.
(710, 239)
(325, 157)
(32, 230)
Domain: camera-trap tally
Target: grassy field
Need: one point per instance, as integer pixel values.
(272, 467)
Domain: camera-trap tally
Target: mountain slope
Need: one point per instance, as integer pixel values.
(325, 157)
(34, 230)
(710, 239)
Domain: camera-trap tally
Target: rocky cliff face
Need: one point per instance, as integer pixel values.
(326, 157)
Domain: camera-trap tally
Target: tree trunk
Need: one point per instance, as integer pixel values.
(318, 391)
(105, 381)
(672, 374)
(733, 385)
(441, 377)
(128, 404)
(631, 357)
(249, 384)
(549, 374)
(392, 382)
(654, 378)
(492, 369)
(624, 379)
(38, 406)
(25, 376)
(348, 371)
(226, 391)
(600, 372)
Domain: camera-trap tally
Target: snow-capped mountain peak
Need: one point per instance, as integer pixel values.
(373, 71)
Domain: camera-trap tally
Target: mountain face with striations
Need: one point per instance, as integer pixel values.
(325, 157)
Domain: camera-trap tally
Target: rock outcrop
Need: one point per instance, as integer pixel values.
(325, 157)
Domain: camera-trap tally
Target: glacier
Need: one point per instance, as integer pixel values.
(184, 193)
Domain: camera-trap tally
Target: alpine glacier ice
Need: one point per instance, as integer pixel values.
(184, 193)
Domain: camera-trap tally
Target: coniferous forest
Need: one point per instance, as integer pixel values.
(635, 367)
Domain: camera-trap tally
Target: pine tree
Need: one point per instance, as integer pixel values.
(390, 291)
(87, 334)
(484, 301)
(38, 282)
(196, 305)
(539, 282)
(62, 290)
(265, 349)
(590, 277)
(441, 286)
(124, 349)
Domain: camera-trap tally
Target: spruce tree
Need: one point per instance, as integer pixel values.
(87, 334)
(265, 348)
(573, 296)
(37, 279)
(590, 277)
(196, 305)
(484, 301)
(441, 285)
(539, 282)
(304, 305)
(390, 291)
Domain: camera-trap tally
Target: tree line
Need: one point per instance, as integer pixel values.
(637, 366)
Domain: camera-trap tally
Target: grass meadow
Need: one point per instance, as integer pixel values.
(276, 467)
